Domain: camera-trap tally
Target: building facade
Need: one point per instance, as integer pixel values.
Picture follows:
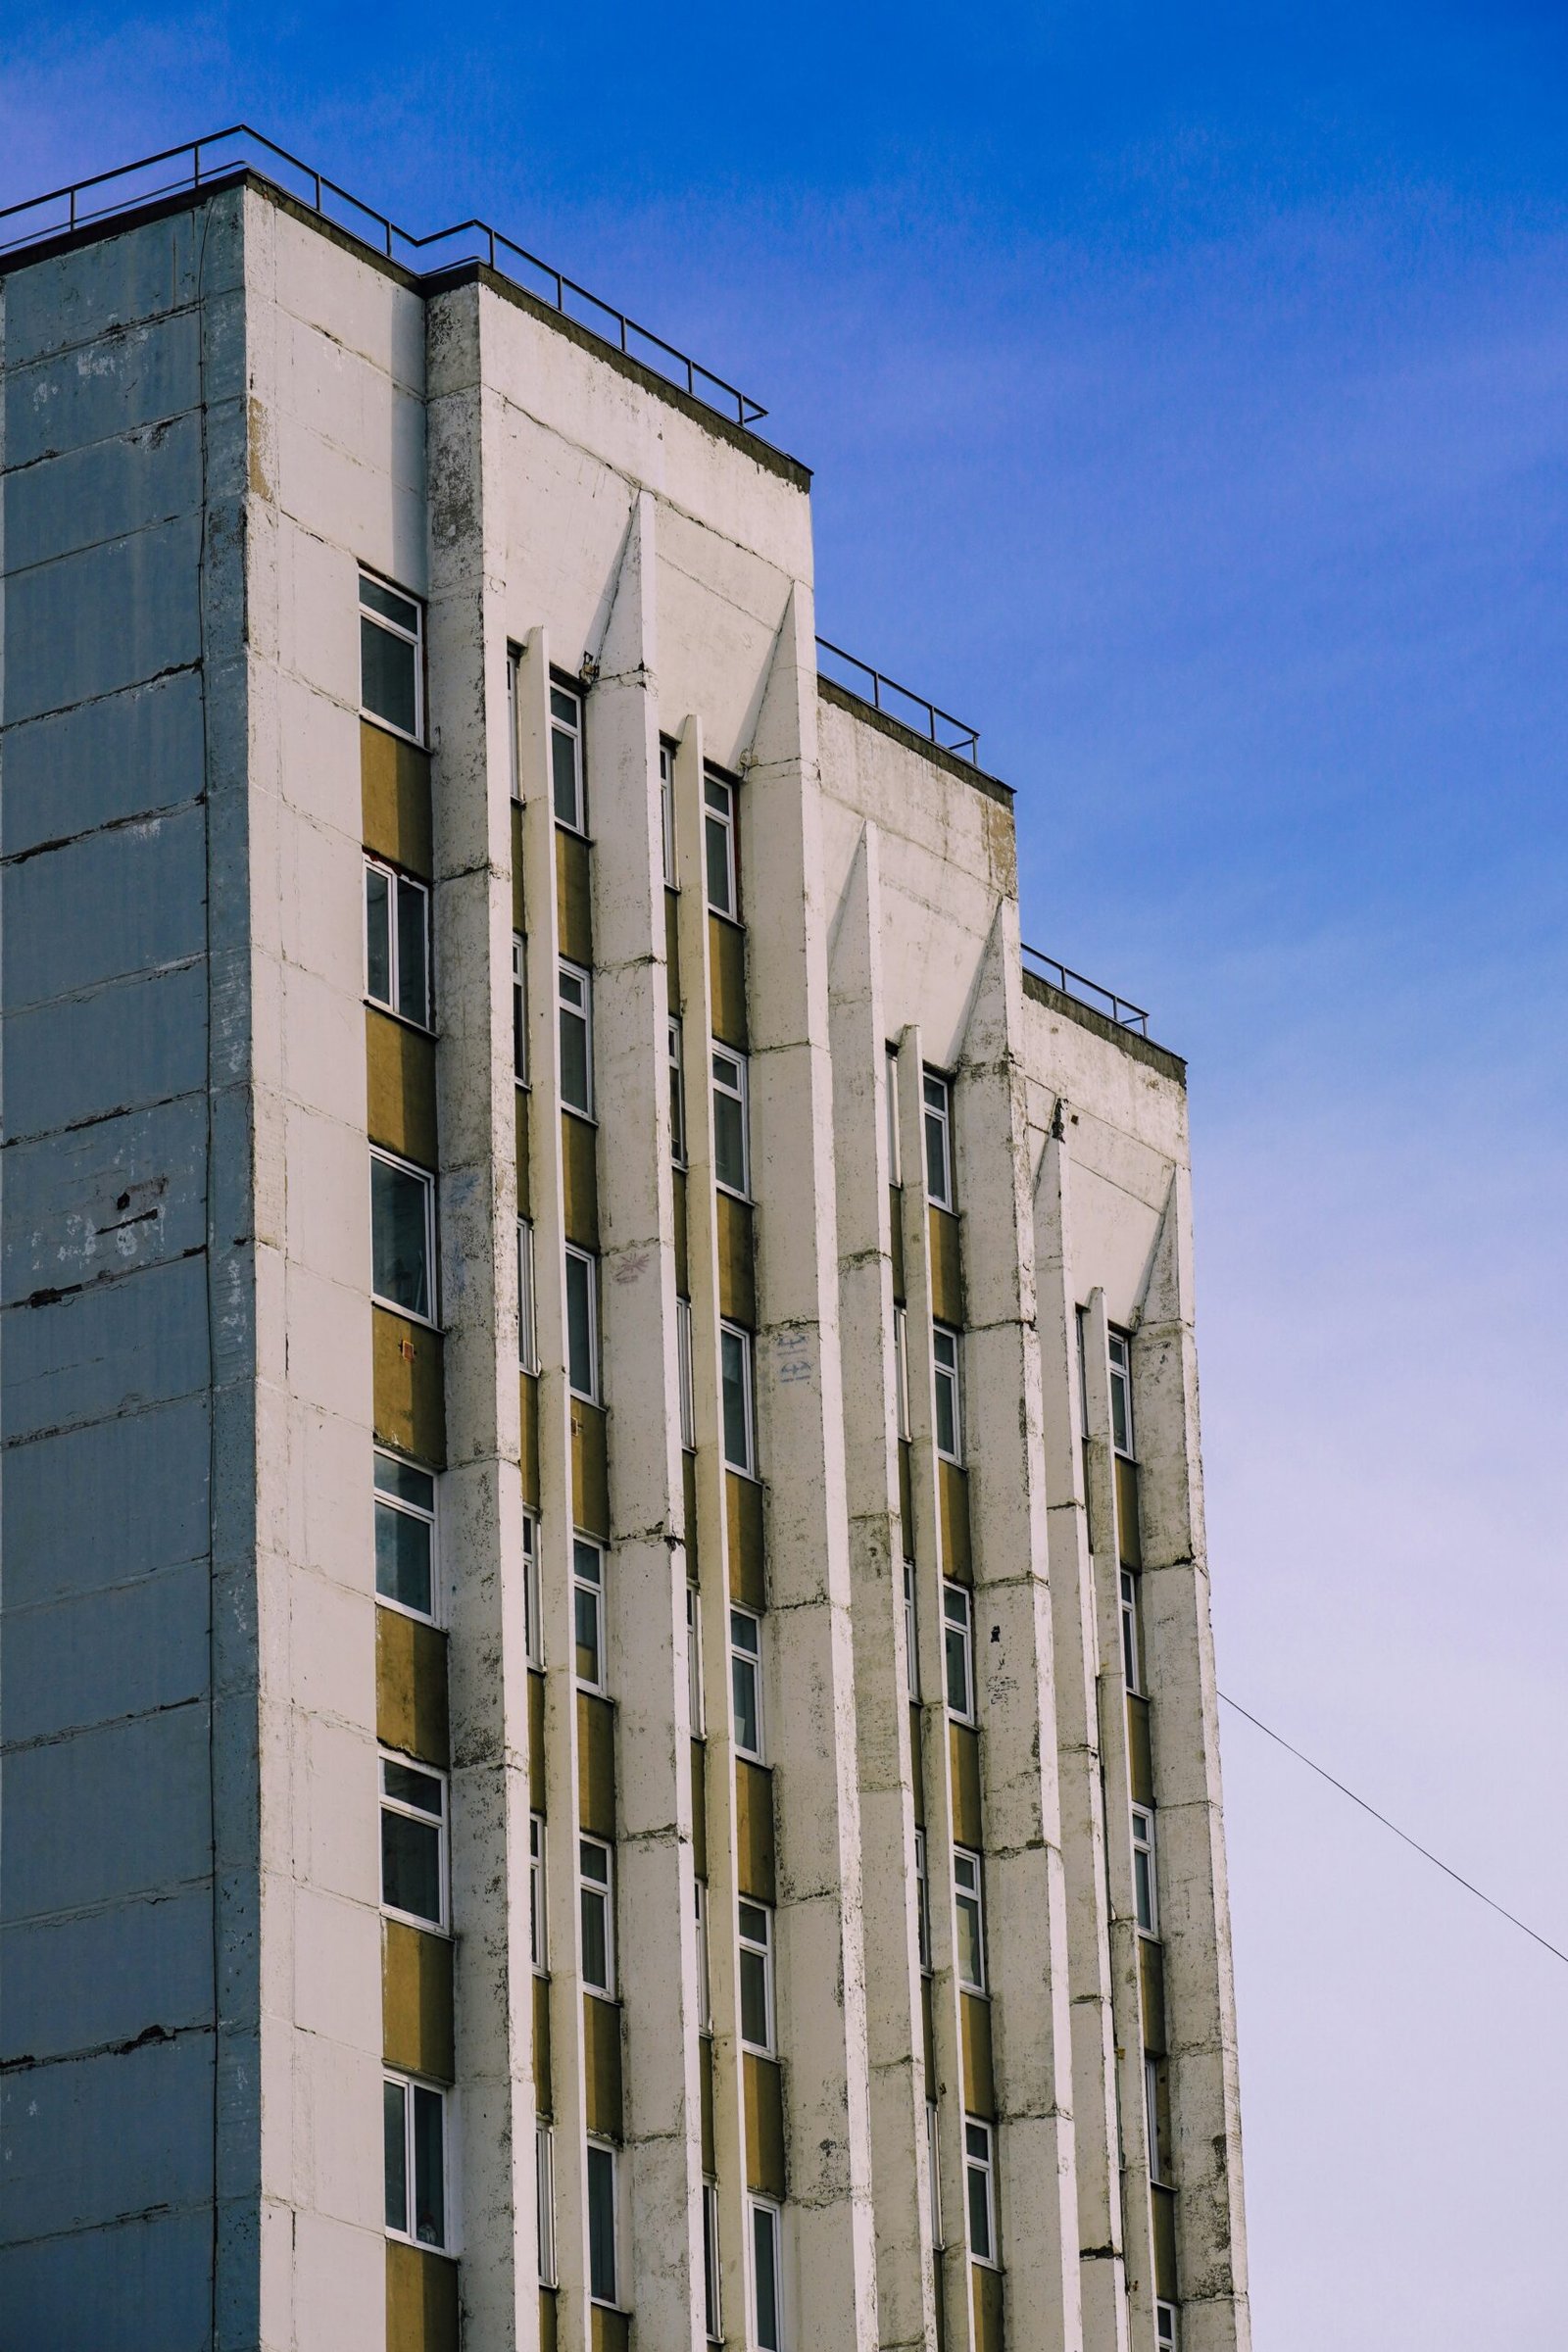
(607, 1716)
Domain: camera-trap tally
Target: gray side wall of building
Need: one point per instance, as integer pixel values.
(126, 1396)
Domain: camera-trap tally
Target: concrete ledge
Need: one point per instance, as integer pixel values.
(949, 761)
(1140, 1048)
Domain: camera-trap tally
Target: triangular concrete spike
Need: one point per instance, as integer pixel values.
(625, 644)
(777, 738)
(1167, 1291)
(850, 934)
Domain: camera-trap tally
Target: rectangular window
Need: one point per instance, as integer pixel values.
(677, 1095)
(745, 1681)
(713, 2308)
(969, 1904)
(688, 1388)
(596, 1886)
(705, 1982)
(603, 2250)
(403, 1237)
(938, 1100)
(979, 2164)
(767, 2282)
(732, 1170)
(527, 1324)
(900, 1370)
(911, 1632)
(1131, 1646)
(891, 1102)
(533, 1623)
(1146, 1885)
(694, 1661)
(718, 838)
(922, 1904)
(544, 2160)
(948, 1401)
(735, 1368)
(575, 996)
(397, 943)
(1121, 1393)
(582, 1324)
(519, 1008)
(957, 1629)
(666, 809)
(566, 758)
(588, 1612)
(413, 2116)
(933, 2161)
(1166, 2326)
(538, 1918)
(414, 1843)
(404, 1535)
(756, 1978)
(391, 658)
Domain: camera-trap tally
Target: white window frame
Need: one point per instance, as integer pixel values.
(1146, 1878)
(763, 2210)
(584, 1548)
(759, 1947)
(605, 2148)
(573, 729)
(666, 809)
(923, 1904)
(951, 1376)
(1119, 1375)
(414, 637)
(441, 1924)
(911, 1632)
(1165, 2336)
(739, 1092)
(890, 1071)
(527, 1313)
(981, 2161)
(752, 1659)
(605, 1891)
(937, 1115)
(722, 817)
(586, 1258)
(713, 2267)
(678, 1093)
(380, 1497)
(686, 1372)
(427, 1182)
(544, 2160)
(408, 2086)
(538, 1890)
(1132, 1648)
(933, 2165)
(963, 1624)
(696, 1707)
(566, 970)
(705, 1980)
(900, 1370)
(969, 1890)
(519, 1008)
(397, 880)
(738, 1332)
(533, 1623)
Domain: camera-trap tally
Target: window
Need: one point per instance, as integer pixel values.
(1121, 1393)
(391, 658)
(519, 1008)
(891, 1100)
(533, 1623)
(677, 1097)
(1166, 2326)
(413, 2116)
(712, 2309)
(969, 1903)
(527, 1324)
(922, 1904)
(582, 1324)
(937, 1099)
(603, 2249)
(979, 2164)
(588, 1612)
(745, 1681)
(596, 1888)
(756, 1978)
(901, 1369)
(694, 1662)
(767, 2284)
(538, 1919)
(705, 1983)
(414, 1843)
(911, 1632)
(575, 994)
(1145, 1889)
(404, 1535)
(688, 1388)
(718, 839)
(933, 2163)
(397, 943)
(950, 1411)
(666, 809)
(566, 758)
(1131, 1647)
(544, 2173)
(403, 1237)
(735, 1367)
(731, 1151)
(958, 1627)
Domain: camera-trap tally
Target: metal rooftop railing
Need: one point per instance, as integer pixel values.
(965, 741)
(1125, 1014)
(222, 154)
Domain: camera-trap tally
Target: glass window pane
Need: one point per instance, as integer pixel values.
(970, 1972)
(587, 1636)
(563, 770)
(601, 2224)
(389, 604)
(732, 1366)
(377, 935)
(429, 2187)
(947, 1416)
(958, 1648)
(753, 1998)
(579, 1325)
(403, 1558)
(1118, 1414)
(407, 1785)
(764, 2232)
(743, 1675)
(720, 895)
(595, 1941)
(564, 705)
(979, 2214)
(400, 1260)
(388, 669)
(574, 1062)
(393, 1477)
(411, 1866)
(397, 2163)
(414, 991)
(729, 1142)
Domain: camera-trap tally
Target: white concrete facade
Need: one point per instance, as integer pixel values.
(298, 410)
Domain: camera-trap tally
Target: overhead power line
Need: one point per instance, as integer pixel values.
(1403, 1835)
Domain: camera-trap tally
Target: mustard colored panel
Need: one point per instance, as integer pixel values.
(590, 1469)
(683, 1260)
(530, 1438)
(726, 960)
(1140, 1753)
(596, 1765)
(411, 1687)
(918, 1766)
(754, 1831)
(579, 1177)
(549, 2339)
(544, 2096)
(737, 1282)
(536, 1740)
(963, 1749)
(764, 2126)
(406, 1387)
(421, 2299)
(688, 1483)
(399, 1088)
(1165, 2201)
(699, 1808)
(929, 2036)
(1151, 1979)
(519, 1123)
(742, 1504)
(672, 946)
(953, 1502)
(518, 915)
(895, 1237)
(979, 2078)
(705, 2080)
(601, 2057)
(987, 2306)
(395, 800)
(416, 2001)
(947, 1280)
(573, 897)
(1129, 1538)
(608, 2330)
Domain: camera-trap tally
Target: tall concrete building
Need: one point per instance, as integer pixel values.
(608, 1716)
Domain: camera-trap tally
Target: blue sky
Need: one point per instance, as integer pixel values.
(1186, 390)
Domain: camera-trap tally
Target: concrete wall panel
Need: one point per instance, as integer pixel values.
(127, 755)
(136, 377)
(144, 2286)
(106, 1349)
(106, 617)
(139, 1040)
(92, 2139)
(105, 1199)
(117, 1810)
(104, 905)
(83, 497)
(106, 1976)
(130, 1650)
(106, 1503)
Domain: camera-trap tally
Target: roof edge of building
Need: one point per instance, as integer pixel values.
(1115, 1033)
(952, 764)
